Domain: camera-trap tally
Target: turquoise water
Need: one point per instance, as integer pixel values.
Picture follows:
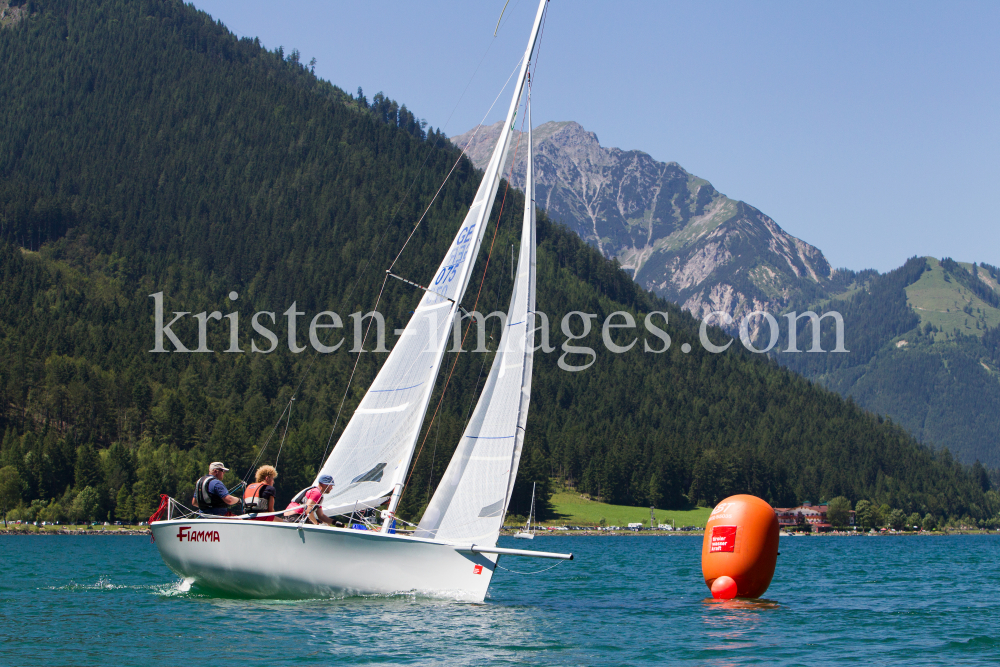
(625, 600)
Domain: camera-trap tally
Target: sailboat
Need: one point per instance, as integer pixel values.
(453, 550)
(528, 533)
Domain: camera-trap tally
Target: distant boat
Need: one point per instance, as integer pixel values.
(529, 531)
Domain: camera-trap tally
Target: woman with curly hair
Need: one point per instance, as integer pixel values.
(259, 496)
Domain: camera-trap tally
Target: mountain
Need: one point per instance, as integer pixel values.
(149, 153)
(924, 345)
(675, 234)
(690, 244)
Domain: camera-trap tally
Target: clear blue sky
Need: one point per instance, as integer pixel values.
(870, 130)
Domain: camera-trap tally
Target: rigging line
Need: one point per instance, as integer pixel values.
(482, 366)
(430, 477)
(385, 233)
(464, 149)
(371, 257)
(266, 443)
(541, 34)
(287, 424)
(314, 357)
(430, 152)
(482, 281)
(501, 17)
(510, 178)
(406, 195)
(516, 5)
(469, 82)
(426, 289)
(497, 564)
(347, 388)
(405, 243)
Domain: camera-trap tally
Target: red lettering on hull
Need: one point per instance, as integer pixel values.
(185, 533)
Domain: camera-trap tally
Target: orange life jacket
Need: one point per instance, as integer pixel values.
(252, 499)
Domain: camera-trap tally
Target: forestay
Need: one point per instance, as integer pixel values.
(471, 500)
(372, 455)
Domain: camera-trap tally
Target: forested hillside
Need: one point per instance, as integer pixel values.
(146, 150)
(923, 343)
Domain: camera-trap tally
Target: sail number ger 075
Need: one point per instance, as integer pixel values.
(456, 257)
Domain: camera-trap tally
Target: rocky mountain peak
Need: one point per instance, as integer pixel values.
(673, 231)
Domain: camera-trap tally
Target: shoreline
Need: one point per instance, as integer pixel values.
(38, 530)
(701, 533)
(74, 531)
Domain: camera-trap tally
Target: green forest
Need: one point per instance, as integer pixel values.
(148, 150)
(941, 385)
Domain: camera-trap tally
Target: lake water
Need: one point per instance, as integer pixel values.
(68, 600)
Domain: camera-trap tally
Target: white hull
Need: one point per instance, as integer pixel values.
(282, 560)
(524, 536)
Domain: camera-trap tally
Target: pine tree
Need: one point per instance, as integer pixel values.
(125, 505)
(87, 471)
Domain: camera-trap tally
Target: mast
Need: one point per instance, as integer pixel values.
(531, 512)
(527, 236)
(491, 182)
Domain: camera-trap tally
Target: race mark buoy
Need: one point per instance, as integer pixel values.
(740, 548)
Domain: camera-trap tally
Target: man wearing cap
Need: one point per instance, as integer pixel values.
(313, 507)
(210, 495)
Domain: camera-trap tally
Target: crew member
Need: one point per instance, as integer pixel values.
(259, 496)
(210, 495)
(312, 508)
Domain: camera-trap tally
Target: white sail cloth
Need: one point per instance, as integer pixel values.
(373, 453)
(472, 497)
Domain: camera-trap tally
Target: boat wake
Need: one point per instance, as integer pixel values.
(186, 587)
(104, 583)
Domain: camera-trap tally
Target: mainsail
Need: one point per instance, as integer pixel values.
(372, 455)
(472, 497)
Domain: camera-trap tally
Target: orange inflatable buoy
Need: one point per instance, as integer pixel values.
(740, 548)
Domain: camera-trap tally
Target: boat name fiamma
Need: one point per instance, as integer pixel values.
(197, 535)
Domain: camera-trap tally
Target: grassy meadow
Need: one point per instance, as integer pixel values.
(940, 302)
(573, 509)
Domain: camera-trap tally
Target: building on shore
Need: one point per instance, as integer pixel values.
(806, 515)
